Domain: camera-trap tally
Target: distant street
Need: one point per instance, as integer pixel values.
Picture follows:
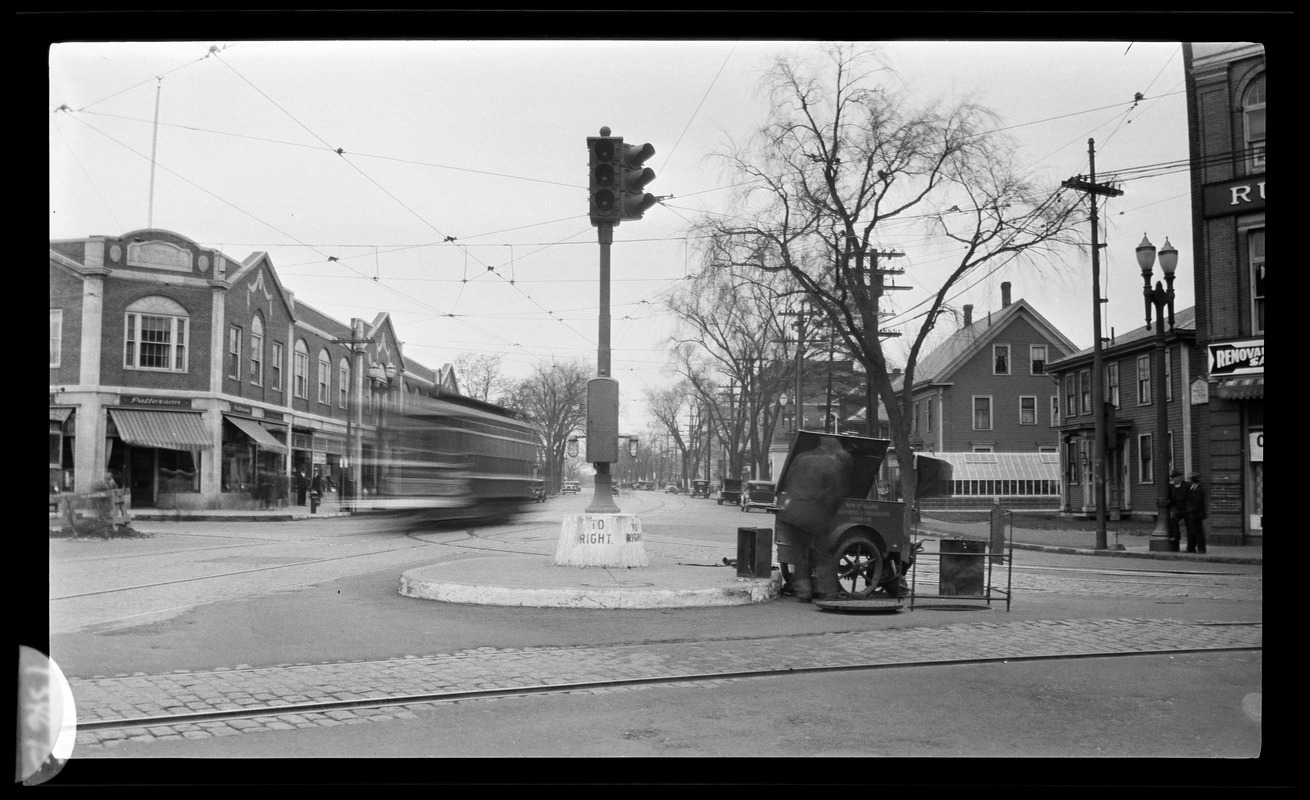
(303, 620)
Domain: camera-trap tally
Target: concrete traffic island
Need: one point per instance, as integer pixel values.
(601, 540)
(600, 563)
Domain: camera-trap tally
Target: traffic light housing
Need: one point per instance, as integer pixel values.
(604, 164)
(617, 177)
(633, 177)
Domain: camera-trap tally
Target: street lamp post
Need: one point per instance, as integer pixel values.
(1160, 297)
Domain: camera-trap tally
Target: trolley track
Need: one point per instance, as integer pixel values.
(486, 541)
(464, 695)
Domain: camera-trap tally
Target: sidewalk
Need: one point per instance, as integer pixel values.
(1084, 543)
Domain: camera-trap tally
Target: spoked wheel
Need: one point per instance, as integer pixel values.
(859, 566)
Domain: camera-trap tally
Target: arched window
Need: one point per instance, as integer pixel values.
(1253, 123)
(343, 382)
(324, 376)
(257, 350)
(155, 333)
(300, 370)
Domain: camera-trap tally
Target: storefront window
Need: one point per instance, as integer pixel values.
(179, 471)
(238, 464)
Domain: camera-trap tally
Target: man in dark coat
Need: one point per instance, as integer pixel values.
(1177, 500)
(302, 487)
(1193, 508)
(816, 485)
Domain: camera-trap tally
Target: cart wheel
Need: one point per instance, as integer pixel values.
(785, 569)
(859, 565)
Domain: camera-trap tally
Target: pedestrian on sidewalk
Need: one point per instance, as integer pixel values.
(1177, 503)
(302, 486)
(1193, 514)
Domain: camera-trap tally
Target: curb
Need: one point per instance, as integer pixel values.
(1079, 551)
(746, 592)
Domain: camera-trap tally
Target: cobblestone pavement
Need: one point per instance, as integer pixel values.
(487, 668)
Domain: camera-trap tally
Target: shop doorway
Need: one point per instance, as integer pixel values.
(141, 476)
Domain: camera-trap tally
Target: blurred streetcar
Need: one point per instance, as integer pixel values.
(454, 459)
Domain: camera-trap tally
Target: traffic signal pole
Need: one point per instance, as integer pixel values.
(617, 176)
(602, 501)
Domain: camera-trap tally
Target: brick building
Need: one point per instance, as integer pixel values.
(198, 381)
(1226, 133)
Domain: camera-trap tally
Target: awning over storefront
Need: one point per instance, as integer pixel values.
(256, 431)
(1241, 388)
(171, 430)
(60, 415)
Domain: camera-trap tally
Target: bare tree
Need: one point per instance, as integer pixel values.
(555, 398)
(735, 347)
(681, 419)
(480, 376)
(842, 156)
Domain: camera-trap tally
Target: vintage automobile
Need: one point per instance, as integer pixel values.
(672, 488)
(700, 488)
(570, 487)
(731, 492)
(758, 494)
(865, 547)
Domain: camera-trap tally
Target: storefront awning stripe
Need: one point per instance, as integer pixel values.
(256, 431)
(171, 430)
(1241, 388)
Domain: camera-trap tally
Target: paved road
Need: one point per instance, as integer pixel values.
(332, 628)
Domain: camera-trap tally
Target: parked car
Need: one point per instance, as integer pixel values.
(700, 488)
(672, 488)
(731, 492)
(758, 494)
(570, 487)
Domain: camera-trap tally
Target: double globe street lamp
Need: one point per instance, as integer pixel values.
(1160, 297)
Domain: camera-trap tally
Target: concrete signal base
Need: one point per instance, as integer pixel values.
(601, 540)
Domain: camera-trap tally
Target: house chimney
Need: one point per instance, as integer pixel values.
(1005, 294)
(968, 314)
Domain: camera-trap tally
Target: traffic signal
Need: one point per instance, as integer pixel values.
(633, 177)
(604, 163)
(617, 179)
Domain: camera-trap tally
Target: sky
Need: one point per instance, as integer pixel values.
(445, 182)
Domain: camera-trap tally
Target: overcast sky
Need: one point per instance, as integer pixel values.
(353, 163)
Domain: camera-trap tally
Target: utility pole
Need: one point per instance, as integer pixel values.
(802, 315)
(1092, 189)
(877, 287)
(355, 412)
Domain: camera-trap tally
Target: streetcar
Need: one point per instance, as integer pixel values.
(454, 458)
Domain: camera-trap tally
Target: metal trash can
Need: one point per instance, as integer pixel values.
(754, 552)
(961, 567)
